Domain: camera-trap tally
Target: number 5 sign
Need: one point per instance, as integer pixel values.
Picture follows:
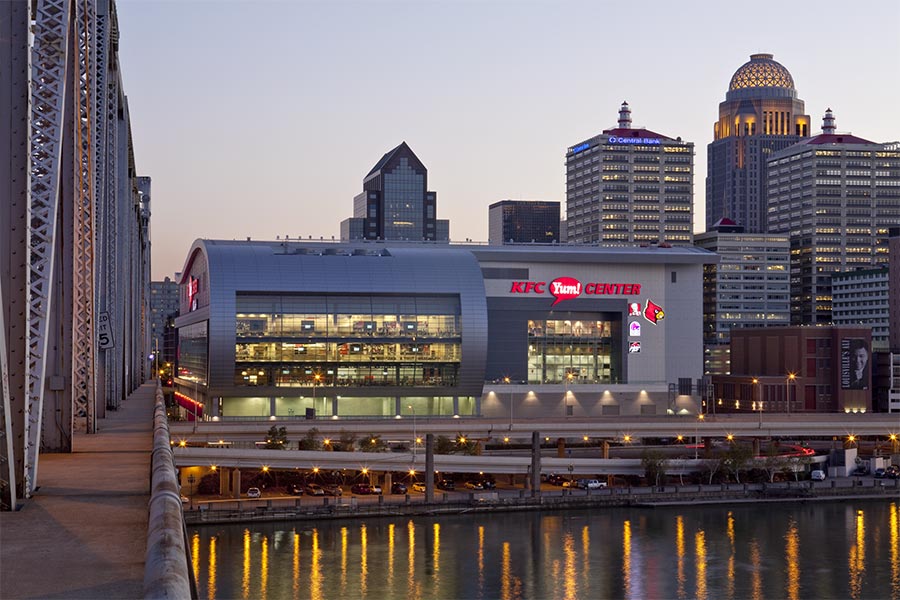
(104, 332)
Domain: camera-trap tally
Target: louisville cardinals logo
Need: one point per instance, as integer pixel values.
(653, 312)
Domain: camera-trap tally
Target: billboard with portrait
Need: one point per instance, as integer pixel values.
(855, 358)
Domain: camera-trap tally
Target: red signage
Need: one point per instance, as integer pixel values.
(566, 288)
(193, 289)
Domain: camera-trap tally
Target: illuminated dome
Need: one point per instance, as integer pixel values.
(761, 71)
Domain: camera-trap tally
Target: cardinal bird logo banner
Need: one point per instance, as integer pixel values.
(653, 312)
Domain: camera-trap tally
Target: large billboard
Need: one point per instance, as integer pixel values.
(855, 357)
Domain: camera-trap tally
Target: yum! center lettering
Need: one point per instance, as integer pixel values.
(566, 288)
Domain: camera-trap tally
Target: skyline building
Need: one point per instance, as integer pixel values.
(761, 114)
(395, 203)
(523, 222)
(748, 287)
(860, 299)
(630, 185)
(164, 305)
(836, 195)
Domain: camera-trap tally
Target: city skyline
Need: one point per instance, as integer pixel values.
(252, 116)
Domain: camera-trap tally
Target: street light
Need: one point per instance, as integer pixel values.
(506, 381)
(191, 480)
(415, 432)
(569, 377)
(787, 390)
(755, 394)
(697, 434)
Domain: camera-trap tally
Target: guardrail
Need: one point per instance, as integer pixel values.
(167, 570)
(292, 510)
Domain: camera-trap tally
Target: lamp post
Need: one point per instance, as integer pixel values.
(191, 480)
(697, 434)
(787, 389)
(569, 377)
(415, 432)
(506, 381)
(758, 400)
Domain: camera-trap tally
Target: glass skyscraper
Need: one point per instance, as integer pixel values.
(395, 203)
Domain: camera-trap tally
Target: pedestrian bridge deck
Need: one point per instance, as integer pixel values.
(84, 532)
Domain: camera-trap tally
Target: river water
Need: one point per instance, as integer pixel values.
(847, 549)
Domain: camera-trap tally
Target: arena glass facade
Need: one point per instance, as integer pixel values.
(377, 330)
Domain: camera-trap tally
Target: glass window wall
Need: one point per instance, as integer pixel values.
(305, 341)
(578, 351)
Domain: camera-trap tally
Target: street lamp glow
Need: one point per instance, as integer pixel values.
(315, 469)
(265, 468)
(365, 471)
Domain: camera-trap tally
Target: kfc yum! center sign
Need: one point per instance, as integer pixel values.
(567, 288)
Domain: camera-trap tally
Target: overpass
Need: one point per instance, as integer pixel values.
(879, 425)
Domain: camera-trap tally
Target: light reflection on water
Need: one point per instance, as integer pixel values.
(785, 550)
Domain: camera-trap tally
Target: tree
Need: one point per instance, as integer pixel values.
(311, 440)
(347, 441)
(444, 445)
(276, 438)
(654, 463)
(736, 459)
(373, 443)
(773, 463)
(711, 466)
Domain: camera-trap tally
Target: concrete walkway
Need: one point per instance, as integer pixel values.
(84, 533)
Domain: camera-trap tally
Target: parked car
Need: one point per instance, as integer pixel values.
(332, 490)
(893, 472)
(295, 489)
(555, 479)
(363, 489)
(880, 473)
(446, 485)
(376, 489)
(418, 487)
(590, 484)
(817, 475)
(860, 471)
(488, 484)
(474, 485)
(254, 493)
(569, 483)
(185, 500)
(398, 488)
(314, 489)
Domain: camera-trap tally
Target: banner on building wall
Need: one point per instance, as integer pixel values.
(855, 356)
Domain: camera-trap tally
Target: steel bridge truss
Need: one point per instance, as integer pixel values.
(74, 267)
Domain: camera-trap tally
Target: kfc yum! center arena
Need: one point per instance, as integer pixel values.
(380, 329)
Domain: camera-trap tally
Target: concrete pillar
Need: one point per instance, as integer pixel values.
(707, 447)
(605, 452)
(535, 463)
(223, 481)
(560, 447)
(429, 467)
(388, 482)
(272, 410)
(235, 483)
(756, 446)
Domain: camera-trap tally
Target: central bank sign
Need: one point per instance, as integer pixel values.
(634, 140)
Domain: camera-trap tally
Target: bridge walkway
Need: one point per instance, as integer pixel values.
(84, 533)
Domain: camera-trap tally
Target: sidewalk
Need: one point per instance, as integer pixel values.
(84, 532)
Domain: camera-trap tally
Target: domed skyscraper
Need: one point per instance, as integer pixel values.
(761, 114)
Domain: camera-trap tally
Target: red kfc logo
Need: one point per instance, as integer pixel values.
(653, 312)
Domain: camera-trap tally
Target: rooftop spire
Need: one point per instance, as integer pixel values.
(828, 122)
(624, 116)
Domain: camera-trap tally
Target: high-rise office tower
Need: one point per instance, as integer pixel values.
(761, 114)
(523, 222)
(748, 287)
(836, 195)
(629, 185)
(395, 203)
